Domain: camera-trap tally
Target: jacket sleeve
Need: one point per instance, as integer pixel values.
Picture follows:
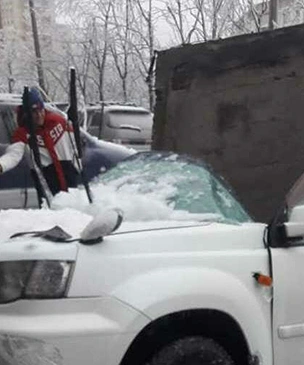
(12, 156)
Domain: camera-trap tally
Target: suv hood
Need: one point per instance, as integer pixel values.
(128, 227)
(210, 235)
(29, 248)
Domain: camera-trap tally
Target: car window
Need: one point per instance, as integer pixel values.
(187, 184)
(119, 118)
(96, 118)
(8, 122)
(4, 135)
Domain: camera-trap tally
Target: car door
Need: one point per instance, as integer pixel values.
(16, 186)
(286, 238)
(95, 122)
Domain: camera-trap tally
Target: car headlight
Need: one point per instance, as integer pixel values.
(33, 279)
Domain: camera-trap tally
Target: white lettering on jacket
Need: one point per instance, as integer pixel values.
(56, 132)
(40, 140)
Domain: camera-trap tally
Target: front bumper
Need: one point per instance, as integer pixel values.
(67, 331)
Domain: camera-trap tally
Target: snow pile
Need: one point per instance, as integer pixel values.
(145, 206)
(144, 193)
(13, 220)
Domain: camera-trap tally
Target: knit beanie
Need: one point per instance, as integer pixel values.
(35, 99)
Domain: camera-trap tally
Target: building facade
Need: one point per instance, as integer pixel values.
(15, 17)
(18, 63)
(12, 17)
(238, 104)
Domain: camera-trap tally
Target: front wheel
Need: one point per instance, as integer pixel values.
(192, 351)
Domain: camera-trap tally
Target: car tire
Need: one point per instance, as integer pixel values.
(192, 351)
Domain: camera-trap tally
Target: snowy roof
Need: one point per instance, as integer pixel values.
(126, 108)
(118, 107)
(6, 97)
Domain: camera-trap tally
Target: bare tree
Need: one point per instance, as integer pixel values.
(200, 20)
(121, 47)
(7, 55)
(92, 31)
(249, 16)
(179, 15)
(290, 14)
(37, 46)
(17, 64)
(100, 41)
(79, 52)
(79, 49)
(8, 71)
(258, 12)
(144, 43)
(213, 18)
(119, 38)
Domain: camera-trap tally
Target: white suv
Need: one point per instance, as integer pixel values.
(188, 278)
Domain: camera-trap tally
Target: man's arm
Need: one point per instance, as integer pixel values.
(12, 156)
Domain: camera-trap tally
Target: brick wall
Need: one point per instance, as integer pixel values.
(237, 103)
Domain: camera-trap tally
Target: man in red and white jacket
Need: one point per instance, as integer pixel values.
(55, 140)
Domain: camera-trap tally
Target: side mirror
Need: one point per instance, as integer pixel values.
(102, 225)
(294, 231)
(291, 232)
(294, 228)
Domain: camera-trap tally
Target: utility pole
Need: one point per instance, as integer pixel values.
(37, 46)
(273, 14)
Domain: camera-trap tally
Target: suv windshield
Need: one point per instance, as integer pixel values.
(184, 184)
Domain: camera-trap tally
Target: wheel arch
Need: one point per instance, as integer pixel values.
(197, 322)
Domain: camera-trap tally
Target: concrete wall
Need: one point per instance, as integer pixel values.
(237, 103)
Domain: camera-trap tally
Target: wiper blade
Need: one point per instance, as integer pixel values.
(55, 234)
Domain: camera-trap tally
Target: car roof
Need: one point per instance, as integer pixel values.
(126, 108)
(10, 98)
(110, 108)
(16, 99)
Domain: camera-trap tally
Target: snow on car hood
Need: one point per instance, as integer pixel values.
(31, 248)
(15, 220)
(74, 221)
(72, 212)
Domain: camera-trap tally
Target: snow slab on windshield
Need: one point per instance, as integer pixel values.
(72, 211)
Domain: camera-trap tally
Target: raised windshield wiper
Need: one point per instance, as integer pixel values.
(131, 127)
